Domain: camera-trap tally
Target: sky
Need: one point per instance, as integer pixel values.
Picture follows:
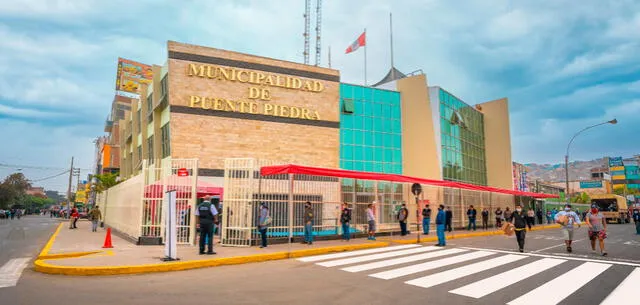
(563, 66)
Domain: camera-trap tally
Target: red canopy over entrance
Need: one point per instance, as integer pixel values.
(183, 186)
(341, 173)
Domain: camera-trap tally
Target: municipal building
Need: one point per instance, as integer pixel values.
(210, 104)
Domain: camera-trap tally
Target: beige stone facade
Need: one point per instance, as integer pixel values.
(216, 118)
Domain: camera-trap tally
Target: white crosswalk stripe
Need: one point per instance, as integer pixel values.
(450, 275)
(11, 271)
(391, 274)
(403, 260)
(411, 263)
(549, 294)
(502, 280)
(626, 291)
(373, 257)
(353, 253)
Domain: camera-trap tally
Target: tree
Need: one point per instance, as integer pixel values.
(105, 181)
(13, 190)
(581, 198)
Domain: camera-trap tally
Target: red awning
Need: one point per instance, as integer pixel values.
(341, 173)
(183, 186)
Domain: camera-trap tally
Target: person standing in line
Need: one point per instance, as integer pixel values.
(597, 229)
(403, 215)
(566, 219)
(520, 224)
(548, 217)
(371, 221)
(207, 216)
(485, 218)
(95, 215)
(539, 216)
(345, 219)
(426, 219)
(531, 216)
(449, 219)
(308, 223)
(264, 221)
(441, 219)
(498, 214)
(507, 214)
(471, 214)
(554, 213)
(636, 220)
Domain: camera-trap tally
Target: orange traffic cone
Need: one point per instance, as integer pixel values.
(107, 239)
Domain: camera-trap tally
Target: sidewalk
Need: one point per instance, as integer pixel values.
(80, 252)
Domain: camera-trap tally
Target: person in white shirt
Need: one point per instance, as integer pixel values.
(567, 218)
(371, 220)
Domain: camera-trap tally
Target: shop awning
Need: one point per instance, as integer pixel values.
(183, 186)
(341, 173)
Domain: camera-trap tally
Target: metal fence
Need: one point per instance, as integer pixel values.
(285, 196)
(134, 207)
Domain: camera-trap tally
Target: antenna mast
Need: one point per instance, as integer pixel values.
(318, 26)
(307, 23)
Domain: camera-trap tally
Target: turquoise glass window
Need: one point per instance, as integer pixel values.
(371, 136)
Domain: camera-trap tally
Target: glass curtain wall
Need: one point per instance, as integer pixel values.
(462, 134)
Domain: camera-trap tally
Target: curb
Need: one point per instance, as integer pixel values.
(469, 235)
(44, 254)
(44, 267)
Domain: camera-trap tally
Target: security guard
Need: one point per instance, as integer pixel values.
(208, 215)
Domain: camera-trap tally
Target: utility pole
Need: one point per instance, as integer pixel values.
(69, 189)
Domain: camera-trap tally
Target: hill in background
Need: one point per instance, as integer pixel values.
(578, 170)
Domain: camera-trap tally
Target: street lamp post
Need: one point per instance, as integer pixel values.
(566, 156)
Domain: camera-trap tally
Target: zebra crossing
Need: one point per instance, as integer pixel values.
(430, 266)
(11, 271)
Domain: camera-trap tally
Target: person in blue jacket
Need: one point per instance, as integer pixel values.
(440, 222)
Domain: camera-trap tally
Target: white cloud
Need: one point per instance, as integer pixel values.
(28, 113)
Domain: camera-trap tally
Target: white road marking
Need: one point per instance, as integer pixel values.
(615, 262)
(502, 280)
(560, 245)
(372, 257)
(450, 275)
(391, 274)
(626, 292)
(11, 271)
(353, 253)
(402, 260)
(556, 290)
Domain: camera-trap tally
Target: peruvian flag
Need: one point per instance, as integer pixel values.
(360, 42)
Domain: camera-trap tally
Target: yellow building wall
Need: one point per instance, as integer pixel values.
(497, 143)
(420, 156)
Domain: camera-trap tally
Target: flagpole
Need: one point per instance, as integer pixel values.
(391, 37)
(365, 57)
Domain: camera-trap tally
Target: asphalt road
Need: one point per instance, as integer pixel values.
(543, 275)
(20, 242)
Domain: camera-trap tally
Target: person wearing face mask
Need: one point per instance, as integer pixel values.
(441, 219)
(636, 220)
(597, 229)
(567, 218)
(519, 221)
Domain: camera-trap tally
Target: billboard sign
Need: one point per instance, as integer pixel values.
(131, 75)
(590, 184)
(615, 161)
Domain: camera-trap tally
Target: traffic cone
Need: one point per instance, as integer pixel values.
(107, 239)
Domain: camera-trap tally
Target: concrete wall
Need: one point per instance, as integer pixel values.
(497, 143)
(420, 153)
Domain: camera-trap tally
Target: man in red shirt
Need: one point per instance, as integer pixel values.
(73, 219)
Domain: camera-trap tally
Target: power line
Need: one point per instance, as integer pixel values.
(17, 166)
(50, 177)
